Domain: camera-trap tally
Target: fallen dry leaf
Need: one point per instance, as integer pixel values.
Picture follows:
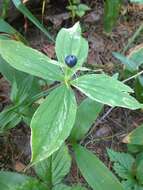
(19, 167)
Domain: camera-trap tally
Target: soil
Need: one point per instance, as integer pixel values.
(109, 129)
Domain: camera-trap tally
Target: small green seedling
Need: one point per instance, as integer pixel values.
(77, 8)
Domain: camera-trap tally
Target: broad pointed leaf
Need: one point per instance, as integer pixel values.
(55, 168)
(9, 180)
(29, 60)
(87, 113)
(70, 42)
(52, 123)
(107, 90)
(94, 171)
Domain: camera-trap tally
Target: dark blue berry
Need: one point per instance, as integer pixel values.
(71, 60)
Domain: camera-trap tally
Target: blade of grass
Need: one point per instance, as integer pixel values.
(23, 9)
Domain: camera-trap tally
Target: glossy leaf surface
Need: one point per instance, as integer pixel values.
(87, 113)
(53, 170)
(107, 90)
(52, 123)
(70, 42)
(94, 171)
(29, 60)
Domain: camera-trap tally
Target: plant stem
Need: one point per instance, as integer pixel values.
(132, 77)
(72, 10)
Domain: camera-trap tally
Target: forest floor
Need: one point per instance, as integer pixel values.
(111, 126)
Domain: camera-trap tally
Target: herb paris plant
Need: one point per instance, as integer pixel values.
(55, 117)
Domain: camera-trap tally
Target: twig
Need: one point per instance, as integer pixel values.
(97, 123)
(132, 39)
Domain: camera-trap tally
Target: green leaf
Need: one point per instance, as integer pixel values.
(61, 187)
(9, 31)
(135, 137)
(136, 55)
(94, 171)
(29, 60)
(70, 42)
(139, 88)
(128, 184)
(23, 85)
(81, 9)
(9, 72)
(136, 1)
(65, 187)
(22, 8)
(130, 64)
(139, 172)
(31, 184)
(107, 90)
(53, 170)
(23, 90)
(52, 123)
(9, 180)
(123, 163)
(87, 113)
(111, 13)
(78, 187)
(134, 149)
(9, 119)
